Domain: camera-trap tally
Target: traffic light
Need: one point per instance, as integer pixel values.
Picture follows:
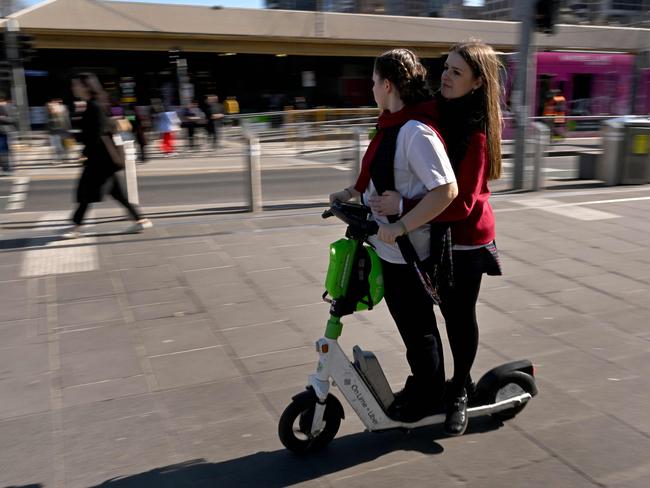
(546, 15)
(26, 51)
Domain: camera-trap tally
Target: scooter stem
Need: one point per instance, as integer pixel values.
(334, 328)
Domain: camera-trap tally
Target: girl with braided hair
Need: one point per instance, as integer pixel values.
(468, 115)
(407, 157)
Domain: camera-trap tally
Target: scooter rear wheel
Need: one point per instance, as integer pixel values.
(295, 423)
(510, 385)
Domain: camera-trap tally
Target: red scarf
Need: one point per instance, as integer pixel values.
(425, 112)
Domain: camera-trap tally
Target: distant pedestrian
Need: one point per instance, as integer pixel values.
(99, 173)
(7, 127)
(214, 113)
(58, 126)
(168, 124)
(141, 123)
(192, 117)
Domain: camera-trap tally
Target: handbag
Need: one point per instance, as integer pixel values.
(115, 151)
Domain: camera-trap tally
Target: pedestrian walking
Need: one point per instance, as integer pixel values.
(214, 113)
(168, 124)
(99, 173)
(141, 124)
(58, 126)
(192, 117)
(7, 127)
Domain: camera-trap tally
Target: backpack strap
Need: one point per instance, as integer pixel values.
(382, 173)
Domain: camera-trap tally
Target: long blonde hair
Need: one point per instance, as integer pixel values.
(485, 64)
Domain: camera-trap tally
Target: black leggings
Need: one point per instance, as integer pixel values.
(118, 194)
(412, 310)
(459, 309)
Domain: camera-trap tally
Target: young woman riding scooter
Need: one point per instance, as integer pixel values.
(407, 157)
(469, 119)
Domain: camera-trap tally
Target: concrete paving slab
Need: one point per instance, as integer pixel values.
(135, 260)
(278, 359)
(156, 296)
(14, 290)
(598, 438)
(12, 310)
(151, 278)
(115, 446)
(18, 332)
(81, 368)
(294, 295)
(219, 275)
(263, 338)
(95, 338)
(91, 311)
(187, 248)
(179, 320)
(170, 338)
(167, 309)
(191, 367)
(199, 261)
(24, 395)
(223, 294)
(245, 313)
(28, 451)
(535, 475)
(104, 390)
(24, 360)
(606, 343)
(84, 289)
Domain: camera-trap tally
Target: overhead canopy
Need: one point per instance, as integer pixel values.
(95, 24)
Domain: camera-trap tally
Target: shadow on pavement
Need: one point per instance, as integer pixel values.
(283, 468)
(23, 242)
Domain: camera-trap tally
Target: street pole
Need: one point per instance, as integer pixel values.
(18, 85)
(254, 174)
(521, 95)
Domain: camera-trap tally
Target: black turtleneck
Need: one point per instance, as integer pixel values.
(459, 119)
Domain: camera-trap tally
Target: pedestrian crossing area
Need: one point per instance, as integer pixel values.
(60, 256)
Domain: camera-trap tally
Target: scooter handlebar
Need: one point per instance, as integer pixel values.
(353, 214)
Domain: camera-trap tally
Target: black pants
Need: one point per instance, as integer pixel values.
(213, 128)
(459, 309)
(412, 309)
(191, 128)
(117, 193)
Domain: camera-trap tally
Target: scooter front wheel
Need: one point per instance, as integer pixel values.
(295, 423)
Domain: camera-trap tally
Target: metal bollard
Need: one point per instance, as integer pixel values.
(254, 174)
(541, 140)
(130, 173)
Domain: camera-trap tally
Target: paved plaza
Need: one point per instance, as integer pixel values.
(165, 359)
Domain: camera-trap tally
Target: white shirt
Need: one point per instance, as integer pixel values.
(421, 164)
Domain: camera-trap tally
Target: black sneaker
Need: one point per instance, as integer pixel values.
(456, 421)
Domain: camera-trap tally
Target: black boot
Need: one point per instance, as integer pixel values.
(456, 421)
(414, 402)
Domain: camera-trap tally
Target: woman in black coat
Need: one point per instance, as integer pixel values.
(98, 176)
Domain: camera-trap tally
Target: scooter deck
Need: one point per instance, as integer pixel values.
(477, 411)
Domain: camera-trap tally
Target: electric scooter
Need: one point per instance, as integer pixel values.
(354, 282)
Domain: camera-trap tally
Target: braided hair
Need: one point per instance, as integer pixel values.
(403, 69)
